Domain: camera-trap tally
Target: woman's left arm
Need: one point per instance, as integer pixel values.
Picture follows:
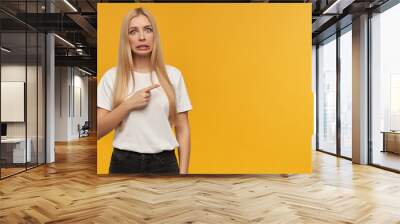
(182, 131)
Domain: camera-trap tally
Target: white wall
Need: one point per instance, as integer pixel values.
(15, 72)
(61, 103)
(34, 125)
(80, 83)
(69, 82)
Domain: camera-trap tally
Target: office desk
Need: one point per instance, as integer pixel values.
(15, 148)
(391, 141)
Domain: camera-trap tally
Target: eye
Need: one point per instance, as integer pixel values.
(132, 32)
(149, 30)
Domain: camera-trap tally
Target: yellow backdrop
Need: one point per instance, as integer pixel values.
(247, 68)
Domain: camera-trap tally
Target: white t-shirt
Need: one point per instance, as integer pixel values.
(145, 130)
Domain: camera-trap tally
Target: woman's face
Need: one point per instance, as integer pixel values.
(141, 35)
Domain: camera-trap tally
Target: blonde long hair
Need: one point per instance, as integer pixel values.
(125, 65)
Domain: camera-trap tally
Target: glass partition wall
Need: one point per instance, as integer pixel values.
(22, 77)
(326, 60)
(385, 89)
(334, 93)
(334, 99)
(345, 62)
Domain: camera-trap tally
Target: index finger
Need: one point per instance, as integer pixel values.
(147, 89)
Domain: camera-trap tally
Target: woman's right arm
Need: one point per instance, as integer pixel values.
(108, 120)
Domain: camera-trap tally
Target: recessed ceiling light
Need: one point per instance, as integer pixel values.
(64, 40)
(70, 5)
(84, 71)
(5, 50)
(337, 7)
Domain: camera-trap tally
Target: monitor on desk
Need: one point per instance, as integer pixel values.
(3, 130)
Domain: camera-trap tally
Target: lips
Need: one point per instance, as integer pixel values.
(143, 47)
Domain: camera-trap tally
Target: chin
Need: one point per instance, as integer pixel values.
(142, 53)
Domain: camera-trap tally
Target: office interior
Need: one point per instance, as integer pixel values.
(48, 83)
(34, 52)
(355, 67)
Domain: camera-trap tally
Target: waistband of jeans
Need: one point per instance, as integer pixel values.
(140, 153)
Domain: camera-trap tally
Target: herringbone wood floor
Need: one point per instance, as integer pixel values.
(69, 191)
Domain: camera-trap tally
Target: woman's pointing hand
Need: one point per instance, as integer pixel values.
(140, 98)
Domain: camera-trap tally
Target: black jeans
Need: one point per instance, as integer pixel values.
(123, 161)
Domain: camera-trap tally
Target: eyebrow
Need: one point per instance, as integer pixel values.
(135, 27)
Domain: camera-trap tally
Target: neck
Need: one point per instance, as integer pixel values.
(142, 63)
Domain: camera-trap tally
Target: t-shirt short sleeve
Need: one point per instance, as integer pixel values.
(105, 90)
(183, 102)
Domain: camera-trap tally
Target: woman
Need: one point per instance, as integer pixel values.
(143, 99)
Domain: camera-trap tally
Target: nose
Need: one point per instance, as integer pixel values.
(141, 35)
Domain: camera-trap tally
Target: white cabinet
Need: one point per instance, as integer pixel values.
(18, 149)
